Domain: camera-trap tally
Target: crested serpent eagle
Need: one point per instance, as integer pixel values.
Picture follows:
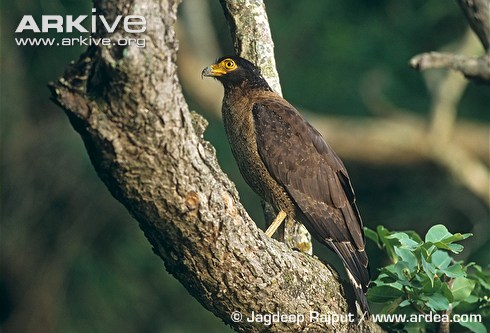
(288, 163)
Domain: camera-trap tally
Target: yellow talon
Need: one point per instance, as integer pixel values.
(276, 223)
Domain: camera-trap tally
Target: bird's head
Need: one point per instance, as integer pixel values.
(233, 71)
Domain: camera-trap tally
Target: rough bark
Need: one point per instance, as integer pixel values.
(128, 107)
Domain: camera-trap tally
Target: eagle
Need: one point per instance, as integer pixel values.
(288, 163)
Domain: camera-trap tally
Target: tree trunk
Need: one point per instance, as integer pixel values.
(127, 104)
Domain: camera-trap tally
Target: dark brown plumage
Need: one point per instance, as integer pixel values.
(289, 164)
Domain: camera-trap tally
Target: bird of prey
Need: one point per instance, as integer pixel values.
(288, 163)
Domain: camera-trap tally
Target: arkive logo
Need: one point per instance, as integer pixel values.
(131, 24)
(69, 23)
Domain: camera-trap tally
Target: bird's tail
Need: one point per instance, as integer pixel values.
(356, 265)
(360, 293)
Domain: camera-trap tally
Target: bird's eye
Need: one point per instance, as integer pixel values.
(229, 64)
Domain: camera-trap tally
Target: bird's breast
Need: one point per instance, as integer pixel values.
(239, 127)
(241, 132)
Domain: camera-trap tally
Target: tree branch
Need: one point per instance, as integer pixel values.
(127, 105)
(473, 68)
(477, 13)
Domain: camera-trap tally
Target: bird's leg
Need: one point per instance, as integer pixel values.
(276, 223)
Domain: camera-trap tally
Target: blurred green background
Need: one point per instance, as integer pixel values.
(73, 260)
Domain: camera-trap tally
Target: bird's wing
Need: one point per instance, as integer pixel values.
(299, 159)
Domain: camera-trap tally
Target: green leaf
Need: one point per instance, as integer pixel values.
(420, 280)
(407, 256)
(473, 326)
(454, 271)
(471, 299)
(432, 287)
(447, 292)
(483, 276)
(382, 231)
(427, 249)
(437, 302)
(383, 294)
(455, 248)
(404, 240)
(443, 239)
(392, 306)
(390, 271)
(397, 235)
(413, 235)
(404, 303)
(372, 235)
(403, 272)
(469, 305)
(387, 243)
(429, 270)
(437, 233)
(457, 237)
(441, 259)
(385, 279)
(462, 288)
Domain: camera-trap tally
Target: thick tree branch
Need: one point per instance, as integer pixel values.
(127, 105)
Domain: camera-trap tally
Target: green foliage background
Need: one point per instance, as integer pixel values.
(73, 260)
(424, 279)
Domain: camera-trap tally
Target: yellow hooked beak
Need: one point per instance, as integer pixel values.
(213, 71)
(221, 68)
